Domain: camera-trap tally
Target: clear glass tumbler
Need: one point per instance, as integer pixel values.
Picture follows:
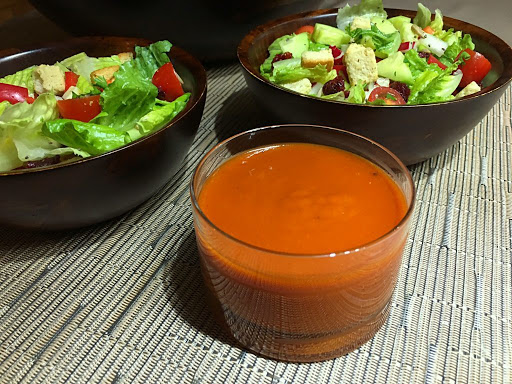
(293, 307)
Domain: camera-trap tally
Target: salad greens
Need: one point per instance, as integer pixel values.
(94, 115)
(372, 59)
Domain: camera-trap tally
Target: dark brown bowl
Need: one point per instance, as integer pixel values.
(100, 187)
(413, 132)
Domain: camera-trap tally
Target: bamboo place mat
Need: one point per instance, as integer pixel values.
(123, 301)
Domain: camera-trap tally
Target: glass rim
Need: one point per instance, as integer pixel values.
(403, 221)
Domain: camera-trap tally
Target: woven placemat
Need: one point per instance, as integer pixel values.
(123, 301)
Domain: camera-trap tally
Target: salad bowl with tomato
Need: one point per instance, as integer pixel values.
(417, 86)
(92, 127)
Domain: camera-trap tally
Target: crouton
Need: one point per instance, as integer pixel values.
(360, 22)
(301, 86)
(125, 56)
(311, 59)
(469, 89)
(361, 64)
(107, 73)
(49, 78)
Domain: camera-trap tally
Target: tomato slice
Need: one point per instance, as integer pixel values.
(433, 60)
(82, 109)
(70, 79)
(12, 93)
(389, 95)
(306, 28)
(475, 68)
(167, 82)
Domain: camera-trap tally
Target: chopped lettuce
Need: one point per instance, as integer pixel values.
(452, 52)
(21, 138)
(273, 50)
(21, 78)
(437, 24)
(366, 8)
(162, 113)
(316, 46)
(383, 44)
(91, 138)
(357, 94)
(3, 105)
(83, 65)
(432, 87)
(293, 72)
(133, 95)
(423, 16)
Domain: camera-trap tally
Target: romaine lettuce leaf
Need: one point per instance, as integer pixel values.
(3, 105)
(132, 95)
(91, 138)
(434, 88)
(162, 113)
(383, 44)
(291, 73)
(21, 138)
(357, 94)
(437, 23)
(273, 50)
(83, 65)
(21, 78)
(453, 51)
(423, 16)
(366, 8)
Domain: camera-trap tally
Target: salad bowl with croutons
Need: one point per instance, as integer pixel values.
(92, 127)
(415, 81)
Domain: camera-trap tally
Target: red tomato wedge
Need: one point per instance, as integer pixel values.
(14, 94)
(167, 82)
(433, 60)
(306, 28)
(70, 80)
(83, 109)
(389, 95)
(475, 68)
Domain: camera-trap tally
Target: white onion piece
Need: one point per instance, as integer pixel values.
(316, 90)
(434, 44)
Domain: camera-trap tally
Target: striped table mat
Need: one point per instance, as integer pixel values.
(123, 301)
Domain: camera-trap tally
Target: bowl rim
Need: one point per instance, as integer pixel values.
(335, 253)
(499, 44)
(192, 63)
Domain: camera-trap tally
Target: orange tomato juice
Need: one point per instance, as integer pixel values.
(301, 268)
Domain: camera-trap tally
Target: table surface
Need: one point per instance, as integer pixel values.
(123, 301)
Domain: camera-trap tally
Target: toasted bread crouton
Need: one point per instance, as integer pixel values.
(107, 73)
(361, 64)
(125, 56)
(469, 89)
(360, 22)
(301, 86)
(311, 59)
(49, 78)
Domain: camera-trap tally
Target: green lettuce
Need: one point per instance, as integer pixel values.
(83, 65)
(290, 73)
(432, 87)
(133, 95)
(366, 8)
(357, 94)
(437, 24)
(423, 16)
(3, 105)
(162, 113)
(316, 46)
(21, 137)
(91, 138)
(273, 50)
(21, 78)
(383, 44)
(452, 53)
